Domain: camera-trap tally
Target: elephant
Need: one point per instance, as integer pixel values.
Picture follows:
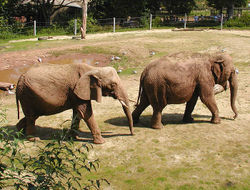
(183, 77)
(5, 86)
(52, 88)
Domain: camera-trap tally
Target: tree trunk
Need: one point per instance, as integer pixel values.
(84, 18)
(230, 11)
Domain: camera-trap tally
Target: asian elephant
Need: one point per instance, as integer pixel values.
(181, 78)
(49, 89)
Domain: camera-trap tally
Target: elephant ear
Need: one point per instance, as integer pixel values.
(217, 69)
(88, 87)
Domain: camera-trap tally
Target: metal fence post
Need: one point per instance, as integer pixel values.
(114, 24)
(150, 22)
(34, 27)
(75, 27)
(221, 22)
(185, 21)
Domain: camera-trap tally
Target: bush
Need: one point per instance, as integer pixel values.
(157, 21)
(92, 25)
(243, 21)
(57, 165)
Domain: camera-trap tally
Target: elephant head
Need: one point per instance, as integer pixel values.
(223, 70)
(105, 81)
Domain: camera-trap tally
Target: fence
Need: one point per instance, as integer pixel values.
(37, 28)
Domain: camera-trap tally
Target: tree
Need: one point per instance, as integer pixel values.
(47, 8)
(228, 4)
(84, 18)
(179, 6)
(9, 9)
(122, 8)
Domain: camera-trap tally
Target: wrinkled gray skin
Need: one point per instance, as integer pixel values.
(181, 78)
(50, 89)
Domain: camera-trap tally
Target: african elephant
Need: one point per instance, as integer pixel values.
(49, 89)
(181, 78)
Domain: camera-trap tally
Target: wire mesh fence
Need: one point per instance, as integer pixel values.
(72, 27)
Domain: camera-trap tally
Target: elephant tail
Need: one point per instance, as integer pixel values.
(140, 89)
(17, 105)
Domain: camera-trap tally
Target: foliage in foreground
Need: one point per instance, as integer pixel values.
(57, 165)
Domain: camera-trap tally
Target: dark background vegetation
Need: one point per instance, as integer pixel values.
(17, 17)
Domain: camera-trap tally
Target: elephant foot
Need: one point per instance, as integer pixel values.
(215, 120)
(33, 139)
(188, 119)
(73, 134)
(21, 125)
(98, 139)
(157, 126)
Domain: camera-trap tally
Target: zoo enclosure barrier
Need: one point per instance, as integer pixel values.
(112, 24)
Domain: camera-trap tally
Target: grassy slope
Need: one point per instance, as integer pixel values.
(180, 156)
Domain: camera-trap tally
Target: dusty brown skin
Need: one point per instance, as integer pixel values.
(181, 78)
(50, 89)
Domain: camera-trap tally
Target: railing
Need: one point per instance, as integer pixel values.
(37, 28)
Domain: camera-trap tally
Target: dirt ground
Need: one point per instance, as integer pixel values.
(179, 156)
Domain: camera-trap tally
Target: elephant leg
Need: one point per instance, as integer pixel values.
(30, 128)
(156, 118)
(74, 124)
(87, 114)
(144, 103)
(209, 101)
(187, 118)
(21, 125)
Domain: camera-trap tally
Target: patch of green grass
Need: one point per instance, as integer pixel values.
(130, 181)
(161, 179)
(176, 173)
(140, 169)
(189, 187)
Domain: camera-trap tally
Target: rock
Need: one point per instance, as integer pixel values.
(134, 72)
(117, 58)
(152, 53)
(76, 38)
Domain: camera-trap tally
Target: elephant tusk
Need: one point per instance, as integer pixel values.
(123, 103)
(11, 87)
(218, 89)
(10, 92)
(132, 101)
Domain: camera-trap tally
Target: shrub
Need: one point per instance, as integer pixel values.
(92, 25)
(57, 165)
(157, 21)
(243, 21)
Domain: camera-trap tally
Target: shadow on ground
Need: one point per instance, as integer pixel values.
(174, 118)
(48, 133)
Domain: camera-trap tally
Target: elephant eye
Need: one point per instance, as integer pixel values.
(113, 85)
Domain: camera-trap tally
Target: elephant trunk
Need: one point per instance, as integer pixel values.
(233, 91)
(125, 105)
